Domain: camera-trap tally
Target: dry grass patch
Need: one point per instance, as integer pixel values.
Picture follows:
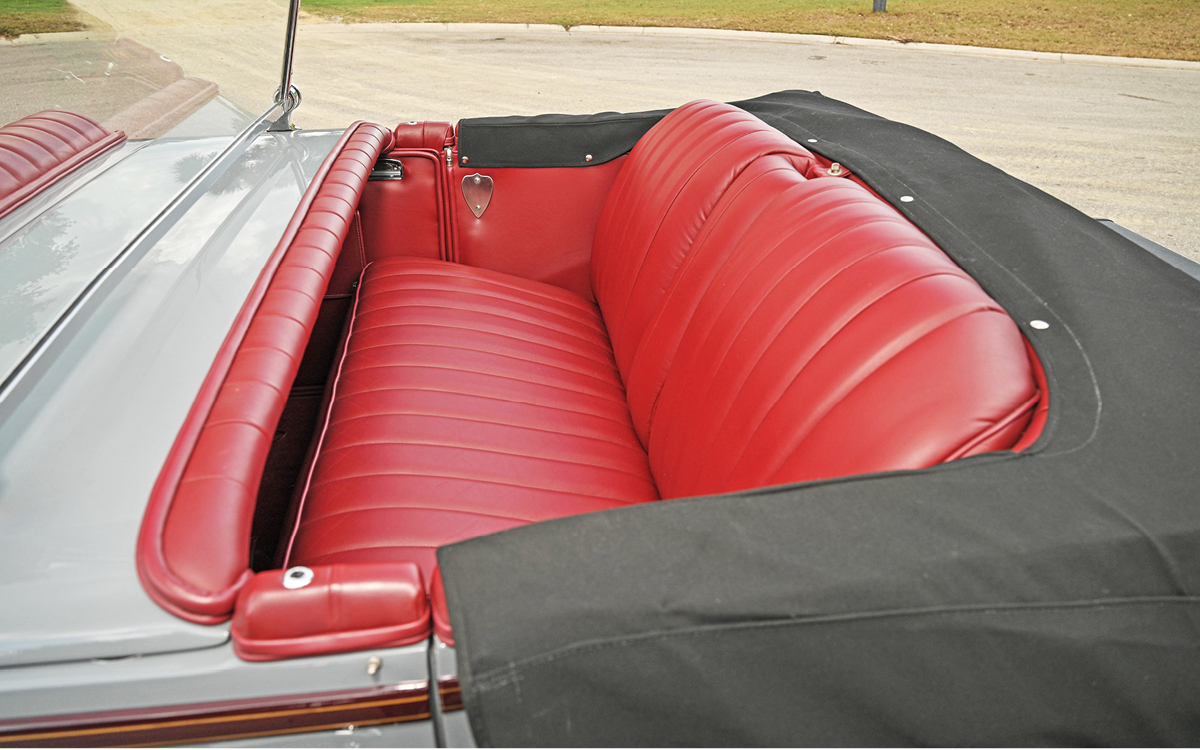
(1134, 28)
(19, 17)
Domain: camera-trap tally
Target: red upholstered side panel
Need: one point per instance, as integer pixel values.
(832, 338)
(540, 224)
(468, 402)
(660, 200)
(39, 149)
(194, 545)
(405, 217)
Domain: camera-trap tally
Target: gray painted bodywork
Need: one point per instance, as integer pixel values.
(81, 450)
(453, 727)
(46, 264)
(187, 677)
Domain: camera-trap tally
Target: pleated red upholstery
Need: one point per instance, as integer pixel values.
(194, 547)
(813, 332)
(37, 150)
(674, 176)
(467, 402)
(770, 328)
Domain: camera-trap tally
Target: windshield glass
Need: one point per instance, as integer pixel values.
(148, 67)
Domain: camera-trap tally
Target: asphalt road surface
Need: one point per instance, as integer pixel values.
(1117, 139)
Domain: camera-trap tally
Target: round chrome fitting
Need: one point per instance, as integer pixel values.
(297, 577)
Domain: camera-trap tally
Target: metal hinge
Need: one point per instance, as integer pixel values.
(387, 169)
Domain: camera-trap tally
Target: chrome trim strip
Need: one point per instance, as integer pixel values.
(26, 373)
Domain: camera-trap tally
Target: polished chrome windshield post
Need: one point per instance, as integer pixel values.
(288, 94)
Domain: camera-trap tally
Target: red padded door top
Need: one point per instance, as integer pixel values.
(194, 545)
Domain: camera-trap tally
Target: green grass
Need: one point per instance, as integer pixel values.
(1135, 28)
(37, 17)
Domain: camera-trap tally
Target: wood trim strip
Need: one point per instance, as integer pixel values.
(224, 720)
(450, 692)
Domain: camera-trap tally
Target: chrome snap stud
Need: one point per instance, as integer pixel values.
(297, 577)
(1040, 325)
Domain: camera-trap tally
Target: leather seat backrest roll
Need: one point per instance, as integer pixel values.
(674, 176)
(814, 332)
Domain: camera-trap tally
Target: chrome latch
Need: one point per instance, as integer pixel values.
(387, 169)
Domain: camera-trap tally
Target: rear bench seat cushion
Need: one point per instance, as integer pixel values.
(467, 402)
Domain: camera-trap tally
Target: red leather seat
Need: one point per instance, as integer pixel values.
(770, 328)
(467, 402)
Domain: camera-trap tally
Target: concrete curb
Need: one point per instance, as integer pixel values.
(759, 36)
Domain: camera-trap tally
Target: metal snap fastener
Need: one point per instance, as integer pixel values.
(1041, 325)
(297, 577)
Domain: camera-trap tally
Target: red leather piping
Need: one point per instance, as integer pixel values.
(36, 151)
(175, 594)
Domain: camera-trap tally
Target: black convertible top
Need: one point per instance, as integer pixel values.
(1049, 597)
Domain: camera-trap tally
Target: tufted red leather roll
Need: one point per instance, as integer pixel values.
(663, 196)
(814, 332)
(193, 549)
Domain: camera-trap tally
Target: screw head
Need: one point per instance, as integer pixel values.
(373, 665)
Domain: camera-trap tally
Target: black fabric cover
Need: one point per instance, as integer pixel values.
(551, 140)
(1045, 598)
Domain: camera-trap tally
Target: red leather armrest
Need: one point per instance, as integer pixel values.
(194, 544)
(345, 607)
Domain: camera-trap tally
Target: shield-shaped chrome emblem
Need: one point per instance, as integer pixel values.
(477, 189)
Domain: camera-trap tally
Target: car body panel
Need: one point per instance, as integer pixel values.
(124, 384)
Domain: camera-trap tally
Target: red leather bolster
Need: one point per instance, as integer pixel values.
(428, 135)
(346, 607)
(441, 611)
(193, 547)
(36, 151)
